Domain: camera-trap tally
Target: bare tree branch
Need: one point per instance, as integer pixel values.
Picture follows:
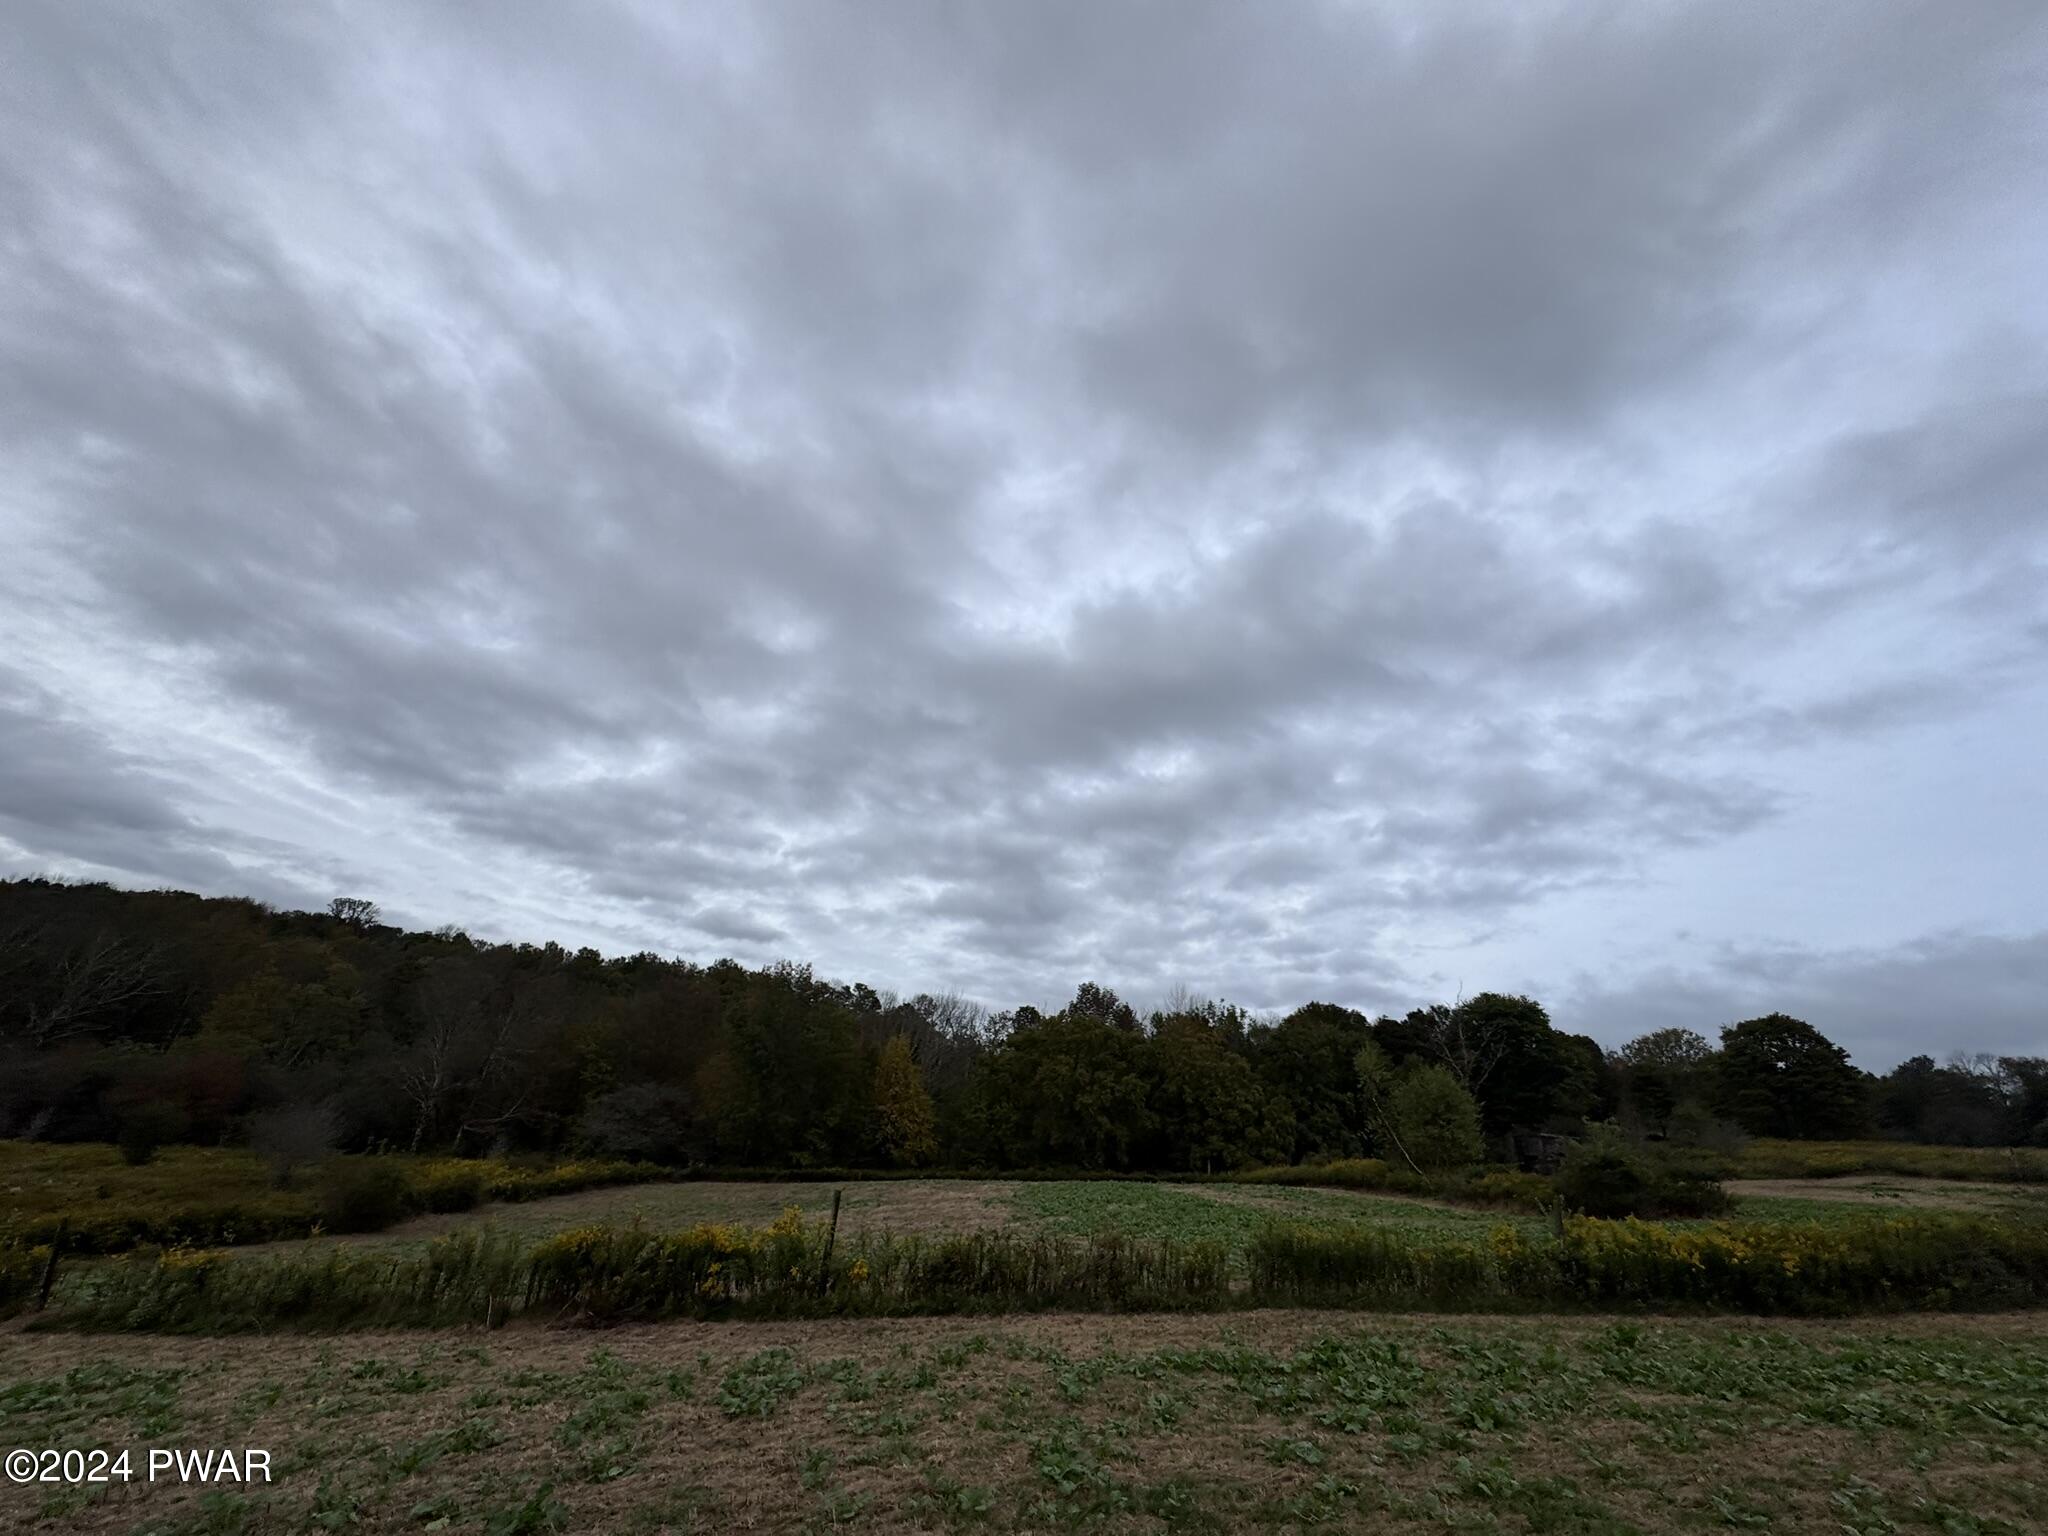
(99, 977)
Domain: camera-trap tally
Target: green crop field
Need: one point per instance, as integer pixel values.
(1231, 1213)
(1275, 1421)
(1184, 1212)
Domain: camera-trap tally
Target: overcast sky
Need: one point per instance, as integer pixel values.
(1351, 502)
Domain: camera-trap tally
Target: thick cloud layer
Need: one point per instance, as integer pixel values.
(1350, 503)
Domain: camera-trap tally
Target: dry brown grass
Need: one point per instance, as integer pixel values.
(1896, 1193)
(901, 1206)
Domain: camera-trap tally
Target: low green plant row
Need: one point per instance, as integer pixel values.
(1488, 1186)
(608, 1274)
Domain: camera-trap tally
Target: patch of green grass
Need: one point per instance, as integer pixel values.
(89, 1185)
(1233, 1214)
(757, 1386)
(142, 1403)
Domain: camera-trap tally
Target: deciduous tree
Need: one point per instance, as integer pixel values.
(1779, 1076)
(903, 1107)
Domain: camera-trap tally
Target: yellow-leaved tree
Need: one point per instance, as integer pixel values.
(903, 1104)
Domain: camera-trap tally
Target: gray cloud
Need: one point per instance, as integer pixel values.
(981, 496)
(1945, 992)
(70, 799)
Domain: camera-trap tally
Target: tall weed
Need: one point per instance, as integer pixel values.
(610, 1274)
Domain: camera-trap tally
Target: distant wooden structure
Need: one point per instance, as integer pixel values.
(1539, 1151)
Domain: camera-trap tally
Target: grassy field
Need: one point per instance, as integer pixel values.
(1187, 1212)
(1228, 1213)
(1273, 1419)
(41, 1181)
(920, 1206)
(1279, 1421)
(212, 1196)
(223, 1196)
(1850, 1197)
(1768, 1159)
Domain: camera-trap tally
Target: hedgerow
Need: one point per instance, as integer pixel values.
(1901, 1263)
(1908, 1263)
(607, 1274)
(464, 1278)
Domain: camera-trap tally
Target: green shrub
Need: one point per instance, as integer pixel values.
(444, 1187)
(145, 1128)
(1683, 1194)
(361, 1195)
(1609, 1176)
(96, 1232)
(518, 1181)
(1436, 1119)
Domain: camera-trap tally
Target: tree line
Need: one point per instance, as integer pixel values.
(161, 1016)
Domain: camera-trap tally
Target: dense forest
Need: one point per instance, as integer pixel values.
(160, 1016)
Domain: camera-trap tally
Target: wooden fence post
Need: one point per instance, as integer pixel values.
(50, 1269)
(831, 1234)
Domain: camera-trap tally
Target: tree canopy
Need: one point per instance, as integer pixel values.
(220, 1020)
